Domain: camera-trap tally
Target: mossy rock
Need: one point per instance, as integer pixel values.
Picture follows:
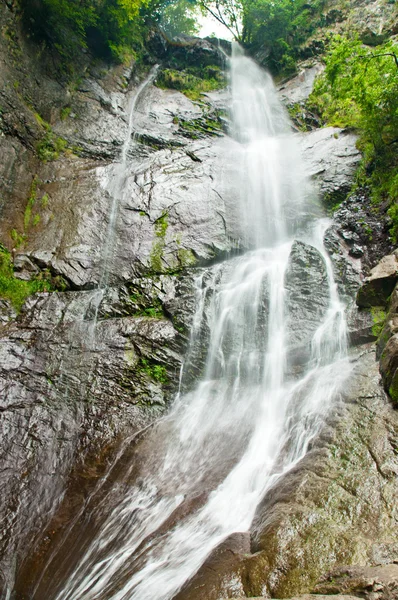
(376, 292)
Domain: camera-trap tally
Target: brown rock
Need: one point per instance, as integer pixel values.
(373, 583)
(378, 287)
(389, 367)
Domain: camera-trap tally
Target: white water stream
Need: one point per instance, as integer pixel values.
(114, 186)
(209, 463)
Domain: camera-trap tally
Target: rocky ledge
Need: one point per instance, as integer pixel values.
(81, 366)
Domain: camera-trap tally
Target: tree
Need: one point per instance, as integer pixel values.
(106, 26)
(226, 12)
(359, 89)
(178, 17)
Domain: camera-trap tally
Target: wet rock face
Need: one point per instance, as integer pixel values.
(363, 230)
(68, 384)
(378, 583)
(156, 227)
(389, 362)
(343, 492)
(378, 296)
(336, 507)
(307, 299)
(297, 89)
(377, 288)
(79, 368)
(331, 158)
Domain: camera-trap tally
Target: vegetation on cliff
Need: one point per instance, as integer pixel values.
(278, 29)
(274, 30)
(359, 89)
(109, 29)
(16, 290)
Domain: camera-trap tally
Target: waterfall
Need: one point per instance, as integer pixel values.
(200, 473)
(114, 185)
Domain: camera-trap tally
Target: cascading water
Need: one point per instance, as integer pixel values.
(116, 182)
(114, 185)
(202, 471)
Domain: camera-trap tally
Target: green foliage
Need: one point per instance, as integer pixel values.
(359, 89)
(277, 28)
(227, 12)
(109, 28)
(274, 29)
(17, 238)
(379, 318)
(393, 389)
(50, 146)
(154, 371)
(30, 203)
(297, 115)
(161, 226)
(193, 82)
(178, 17)
(153, 312)
(393, 214)
(146, 307)
(15, 290)
(65, 112)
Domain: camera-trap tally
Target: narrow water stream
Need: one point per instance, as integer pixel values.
(114, 186)
(206, 466)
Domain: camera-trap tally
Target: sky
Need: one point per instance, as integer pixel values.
(210, 25)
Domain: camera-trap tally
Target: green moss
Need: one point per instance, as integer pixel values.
(44, 200)
(154, 371)
(393, 389)
(18, 239)
(153, 312)
(192, 82)
(15, 290)
(393, 214)
(50, 146)
(297, 115)
(206, 125)
(146, 307)
(161, 225)
(186, 257)
(30, 203)
(379, 318)
(178, 326)
(65, 112)
(156, 255)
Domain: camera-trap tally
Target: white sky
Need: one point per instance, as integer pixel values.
(210, 25)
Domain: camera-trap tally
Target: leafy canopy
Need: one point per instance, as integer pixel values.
(359, 89)
(274, 29)
(107, 27)
(176, 17)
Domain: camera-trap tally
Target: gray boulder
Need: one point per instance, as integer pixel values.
(331, 158)
(377, 288)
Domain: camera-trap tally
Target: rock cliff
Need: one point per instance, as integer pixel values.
(80, 368)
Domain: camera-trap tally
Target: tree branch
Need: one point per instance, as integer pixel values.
(385, 54)
(218, 16)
